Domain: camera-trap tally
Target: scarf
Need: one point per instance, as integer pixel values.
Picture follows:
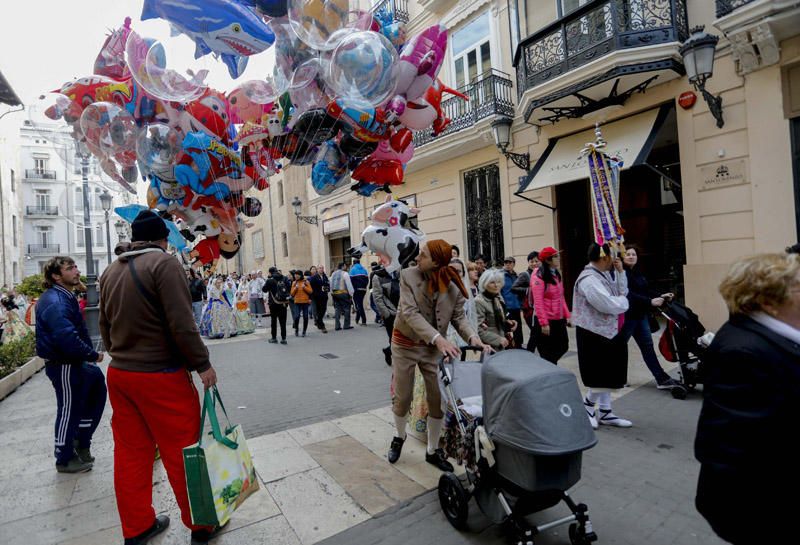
(443, 273)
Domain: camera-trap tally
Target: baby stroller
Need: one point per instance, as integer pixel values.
(527, 445)
(684, 340)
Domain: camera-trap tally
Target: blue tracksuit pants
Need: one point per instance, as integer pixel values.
(81, 397)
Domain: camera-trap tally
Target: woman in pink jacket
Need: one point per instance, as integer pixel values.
(552, 313)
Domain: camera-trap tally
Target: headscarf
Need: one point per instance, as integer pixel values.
(442, 274)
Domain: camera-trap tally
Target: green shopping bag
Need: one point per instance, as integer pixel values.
(220, 472)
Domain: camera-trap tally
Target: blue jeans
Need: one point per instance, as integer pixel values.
(197, 310)
(639, 329)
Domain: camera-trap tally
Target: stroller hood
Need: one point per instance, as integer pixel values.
(532, 405)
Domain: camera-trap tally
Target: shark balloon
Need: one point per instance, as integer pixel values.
(229, 29)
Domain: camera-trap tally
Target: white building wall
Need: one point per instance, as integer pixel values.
(52, 201)
(11, 270)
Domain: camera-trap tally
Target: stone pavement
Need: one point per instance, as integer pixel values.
(328, 481)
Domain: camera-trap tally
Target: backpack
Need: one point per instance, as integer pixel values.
(281, 293)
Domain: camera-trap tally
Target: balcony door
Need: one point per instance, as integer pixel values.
(484, 212)
(472, 56)
(40, 165)
(42, 199)
(44, 236)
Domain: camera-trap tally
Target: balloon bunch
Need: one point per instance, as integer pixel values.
(346, 91)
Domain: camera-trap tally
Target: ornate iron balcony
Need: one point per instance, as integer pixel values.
(489, 94)
(39, 249)
(41, 210)
(398, 8)
(724, 7)
(594, 30)
(39, 174)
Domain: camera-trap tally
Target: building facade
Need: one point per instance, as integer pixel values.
(11, 254)
(695, 194)
(53, 202)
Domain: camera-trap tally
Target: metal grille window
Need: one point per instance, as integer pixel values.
(280, 193)
(285, 244)
(485, 213)
(257, 239)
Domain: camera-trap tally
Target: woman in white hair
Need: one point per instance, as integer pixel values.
(490, 311)
(469, 305)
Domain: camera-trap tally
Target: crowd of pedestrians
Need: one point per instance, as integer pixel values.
(428, 310)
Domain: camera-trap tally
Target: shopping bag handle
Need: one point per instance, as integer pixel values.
(209, 408)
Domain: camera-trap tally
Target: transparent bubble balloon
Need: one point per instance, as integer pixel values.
(111, 130)
(166, 68)
(314, 21)
(157, 147)
(307, 87)
(290, 51)
(361, 69)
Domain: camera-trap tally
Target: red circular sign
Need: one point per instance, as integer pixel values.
(687, 99)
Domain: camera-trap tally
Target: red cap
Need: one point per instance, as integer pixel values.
(546, 253)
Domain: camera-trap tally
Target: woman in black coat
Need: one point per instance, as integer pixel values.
(749, 417)
(637, 318)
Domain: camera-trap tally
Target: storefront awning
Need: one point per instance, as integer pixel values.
(630, 138)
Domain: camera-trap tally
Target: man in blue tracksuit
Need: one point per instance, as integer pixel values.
(62, 340)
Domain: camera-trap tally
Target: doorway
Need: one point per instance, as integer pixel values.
(337, 250)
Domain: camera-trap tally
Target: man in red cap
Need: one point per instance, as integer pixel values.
(147, 326)
(432, 297)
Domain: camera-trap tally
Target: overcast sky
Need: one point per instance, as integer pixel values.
(44, 43)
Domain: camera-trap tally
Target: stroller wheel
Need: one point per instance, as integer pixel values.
(454, 500)
(678, 392)
(578, 535)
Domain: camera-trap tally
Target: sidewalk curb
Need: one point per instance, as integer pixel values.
(20, 376)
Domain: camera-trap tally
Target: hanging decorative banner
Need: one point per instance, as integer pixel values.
(604, 187)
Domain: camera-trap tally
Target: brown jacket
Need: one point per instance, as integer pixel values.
(420, 315)
(134, 334)
(301, 291)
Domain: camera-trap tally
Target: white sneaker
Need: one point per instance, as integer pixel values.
(590, 412)
(608, 418)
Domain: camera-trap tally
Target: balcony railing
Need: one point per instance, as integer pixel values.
(41, 210)
(40, 174)
(489, 94)
(724, 7)
(398, 9)
(39, 249)
(594, 30)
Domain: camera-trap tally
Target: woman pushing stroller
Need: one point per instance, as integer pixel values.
(432, 296)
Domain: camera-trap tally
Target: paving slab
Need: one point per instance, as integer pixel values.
(314, 433)
(315, 505)
(278, 455)
(372, 482)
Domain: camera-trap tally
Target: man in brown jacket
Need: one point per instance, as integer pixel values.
(432, 297)
(148, 329)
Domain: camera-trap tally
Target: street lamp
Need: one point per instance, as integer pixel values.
(92, 299)
(105, 203)
(122, 230)
(501, 130)
(297, 205)
(698, 59)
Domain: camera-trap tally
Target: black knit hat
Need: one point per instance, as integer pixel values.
(148, 227)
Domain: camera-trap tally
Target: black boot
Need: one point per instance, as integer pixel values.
(161, 523)
(395, 449)
(439, 460)
(387, 355)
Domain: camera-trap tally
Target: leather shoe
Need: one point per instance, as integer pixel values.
(202, 537)
(161, 523)
(439, 460)
(395, 449)
(387, 355)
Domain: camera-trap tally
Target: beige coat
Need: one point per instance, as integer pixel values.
(420, 315)
(487, 311)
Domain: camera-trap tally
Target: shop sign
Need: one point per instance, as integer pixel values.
(687, 100)
(723, 174)
(336, 225)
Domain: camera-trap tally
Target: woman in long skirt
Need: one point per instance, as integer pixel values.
(218, 320)
(244, 322)
(599, 305)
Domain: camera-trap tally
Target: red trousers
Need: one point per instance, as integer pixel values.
(150, 409)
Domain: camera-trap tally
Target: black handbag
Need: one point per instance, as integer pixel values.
(655, 327)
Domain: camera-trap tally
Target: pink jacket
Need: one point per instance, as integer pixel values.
(548, 300)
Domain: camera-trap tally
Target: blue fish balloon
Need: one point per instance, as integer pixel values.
(227, 28)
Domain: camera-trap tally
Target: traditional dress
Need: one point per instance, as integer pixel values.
(244, 322)
(14, 328)
(218, 319)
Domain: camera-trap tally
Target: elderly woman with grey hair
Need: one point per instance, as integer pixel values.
(751, 392)
(490, 310)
